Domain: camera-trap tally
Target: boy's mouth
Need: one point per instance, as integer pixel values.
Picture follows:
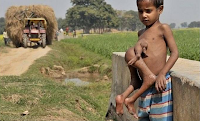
(145, 20)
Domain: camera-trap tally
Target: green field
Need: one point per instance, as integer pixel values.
(187, 41)
(1, 37)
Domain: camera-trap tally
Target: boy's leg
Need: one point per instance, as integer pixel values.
(135, 84)
(148, 80)
(120, 99)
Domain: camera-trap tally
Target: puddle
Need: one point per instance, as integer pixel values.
(77, 82)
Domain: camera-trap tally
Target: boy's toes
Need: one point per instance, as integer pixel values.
(135, 116)
(120, 112)
(120, 115)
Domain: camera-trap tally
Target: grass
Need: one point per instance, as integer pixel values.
(107, 43)
(1, 37)
(2, 45)
(187, 41)
(43, 96)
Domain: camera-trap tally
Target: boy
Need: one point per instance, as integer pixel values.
(155, 102)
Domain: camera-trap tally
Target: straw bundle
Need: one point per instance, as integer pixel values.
(15, 27)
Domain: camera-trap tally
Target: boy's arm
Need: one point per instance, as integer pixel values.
(168, 36)
(140, 32)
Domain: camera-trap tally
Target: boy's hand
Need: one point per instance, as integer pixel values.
(160, 83)
(132, 61)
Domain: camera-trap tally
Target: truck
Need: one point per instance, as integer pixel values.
(34, 31)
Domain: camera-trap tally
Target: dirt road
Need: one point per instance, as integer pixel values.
(17, 60)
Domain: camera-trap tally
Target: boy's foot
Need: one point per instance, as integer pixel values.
(130, 107)
(119, 104)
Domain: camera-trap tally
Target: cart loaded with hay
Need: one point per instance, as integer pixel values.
(31, 24)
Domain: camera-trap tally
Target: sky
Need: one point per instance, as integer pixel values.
(175, 11)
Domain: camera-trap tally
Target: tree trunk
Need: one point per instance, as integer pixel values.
(87, 30)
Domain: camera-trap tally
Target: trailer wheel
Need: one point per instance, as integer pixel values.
(43, 40)
(25, 40)
(17, 44)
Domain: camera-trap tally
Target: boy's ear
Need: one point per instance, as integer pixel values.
(160, 8)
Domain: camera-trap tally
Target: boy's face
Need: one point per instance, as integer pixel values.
(148, 13)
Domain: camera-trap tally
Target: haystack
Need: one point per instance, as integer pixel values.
(15, 26)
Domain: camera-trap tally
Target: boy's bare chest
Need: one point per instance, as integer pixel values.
(152, 36)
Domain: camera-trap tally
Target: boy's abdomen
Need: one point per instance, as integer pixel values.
(156, 63)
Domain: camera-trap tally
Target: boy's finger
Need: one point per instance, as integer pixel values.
(160, 87)
(144, 50)
(156, 86)
(165, 85)
(130, 62)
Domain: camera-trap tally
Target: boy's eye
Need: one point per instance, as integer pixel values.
(148, 10)
(140, 11)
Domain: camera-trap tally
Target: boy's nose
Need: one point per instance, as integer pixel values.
(144, 15)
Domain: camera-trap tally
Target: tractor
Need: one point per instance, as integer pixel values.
(34, 31)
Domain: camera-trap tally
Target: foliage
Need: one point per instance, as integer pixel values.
(187, 42)
(172, 25)
(89, 14)
(2, 24)
(129, 20)
(184, 24)
(61, 23)
(194, 24)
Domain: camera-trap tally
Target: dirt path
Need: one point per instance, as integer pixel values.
(17, 60)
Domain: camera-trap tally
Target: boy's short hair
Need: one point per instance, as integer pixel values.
(156, 3)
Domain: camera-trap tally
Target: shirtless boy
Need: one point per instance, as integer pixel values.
(156, 101)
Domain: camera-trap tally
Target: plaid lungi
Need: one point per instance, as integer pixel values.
(154, 106)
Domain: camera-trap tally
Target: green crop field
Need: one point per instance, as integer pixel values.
(187, 41)
(1, 37)
(1, 42)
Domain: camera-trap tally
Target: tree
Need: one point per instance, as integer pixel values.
(2, 24)
(184, 24)
(194, 24)
(129, 20)
(89, 14)
(62, 23)
(172, 25)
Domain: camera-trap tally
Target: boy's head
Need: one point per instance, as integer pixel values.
(156, 3)
(149, 11)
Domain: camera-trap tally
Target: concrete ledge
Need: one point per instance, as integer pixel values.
(186, 89)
